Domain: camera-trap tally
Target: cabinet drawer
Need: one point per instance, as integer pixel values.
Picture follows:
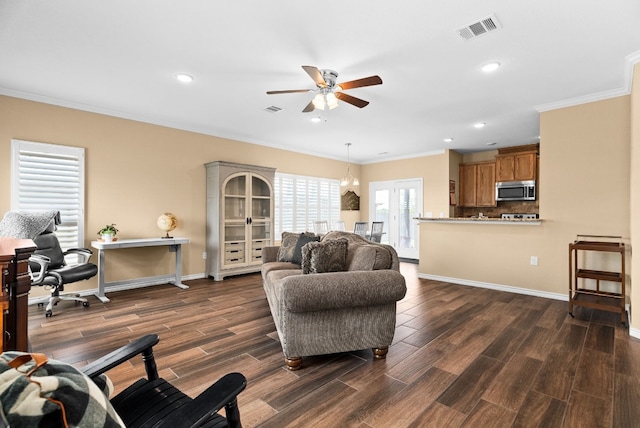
(233, 257)
(234, 261)
(231, 246)
(235, 252)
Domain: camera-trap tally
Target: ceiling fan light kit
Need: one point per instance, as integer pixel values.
(328, 92)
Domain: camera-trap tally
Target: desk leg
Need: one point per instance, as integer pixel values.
(100, 294)
(178, 280)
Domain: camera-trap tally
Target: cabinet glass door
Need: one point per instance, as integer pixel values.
(235, 221)
(261, 217)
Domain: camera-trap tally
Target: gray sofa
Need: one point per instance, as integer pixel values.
(344, 303)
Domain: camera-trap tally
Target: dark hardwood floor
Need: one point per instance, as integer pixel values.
(461, 356)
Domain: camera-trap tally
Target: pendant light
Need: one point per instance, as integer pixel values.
(348, 178)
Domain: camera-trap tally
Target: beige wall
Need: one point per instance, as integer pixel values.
(635, 200)
(434, 170)
(584, 169)
(137, 171)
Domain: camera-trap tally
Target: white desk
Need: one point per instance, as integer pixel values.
(174, 244)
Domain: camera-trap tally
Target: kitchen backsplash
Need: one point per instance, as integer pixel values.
(515, 207)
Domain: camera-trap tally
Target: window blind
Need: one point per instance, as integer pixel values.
(50, 177)
(301, 200)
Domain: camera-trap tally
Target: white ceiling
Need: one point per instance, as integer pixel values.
(119, 57)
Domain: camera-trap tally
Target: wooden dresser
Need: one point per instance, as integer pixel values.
(14, 294)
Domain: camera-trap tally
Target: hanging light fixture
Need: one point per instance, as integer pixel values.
(348, 178)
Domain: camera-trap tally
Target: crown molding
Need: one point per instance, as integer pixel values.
(630, 61)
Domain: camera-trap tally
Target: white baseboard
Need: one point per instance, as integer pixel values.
(507, 288)
(128, 284)
(518, 290)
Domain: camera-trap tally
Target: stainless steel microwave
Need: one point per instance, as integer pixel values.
(516, 191)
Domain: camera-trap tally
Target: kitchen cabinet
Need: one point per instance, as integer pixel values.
(584, 283)
(477, 184)
(239, 217)
(516, 166)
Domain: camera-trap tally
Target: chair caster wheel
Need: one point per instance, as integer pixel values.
(48, 314)
(85, 304)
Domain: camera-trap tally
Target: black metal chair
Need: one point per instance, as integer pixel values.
(376, 231)
(50, 269)
(360, 228)
(154, 402)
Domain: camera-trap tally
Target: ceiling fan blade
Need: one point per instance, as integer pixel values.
(309, 108)
(366, 81)
(290, 91)
(351, 100)
(315, 75)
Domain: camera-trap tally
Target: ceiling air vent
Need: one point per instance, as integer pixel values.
(479, 28)
(272, 109)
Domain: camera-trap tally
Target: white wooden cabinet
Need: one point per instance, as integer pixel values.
(239, 217)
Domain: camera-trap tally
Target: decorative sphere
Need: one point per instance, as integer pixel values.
(167, 222)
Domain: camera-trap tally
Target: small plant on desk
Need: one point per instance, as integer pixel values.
(108, 232)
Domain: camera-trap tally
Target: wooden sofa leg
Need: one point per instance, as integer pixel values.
(293, 363)
(380, 353)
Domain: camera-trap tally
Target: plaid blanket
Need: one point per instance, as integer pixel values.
(38, 392)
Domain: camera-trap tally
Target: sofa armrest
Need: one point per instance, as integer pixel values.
(270, 254)
(334, 290)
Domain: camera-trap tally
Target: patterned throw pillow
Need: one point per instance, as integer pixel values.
(287, 246)
(326, 256)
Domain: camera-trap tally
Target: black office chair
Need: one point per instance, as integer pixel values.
(50, 269)
(155, 402)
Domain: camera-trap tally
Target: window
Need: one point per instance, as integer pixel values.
(50, 177)
(301, 200)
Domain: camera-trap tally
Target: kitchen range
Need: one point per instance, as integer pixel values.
(519, 216)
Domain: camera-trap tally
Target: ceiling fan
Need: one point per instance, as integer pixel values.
(328, 92)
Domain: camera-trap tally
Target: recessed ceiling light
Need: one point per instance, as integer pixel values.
(492, 66)
(184, 78)
(448, 140)
(492, 144)
(479, 125)
(315, 119)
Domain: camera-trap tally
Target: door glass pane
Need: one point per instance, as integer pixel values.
(259, 187)
(234, 232)
(406, 212)
(260, 229)
(382, 212)
(234, 207)
(236, 186)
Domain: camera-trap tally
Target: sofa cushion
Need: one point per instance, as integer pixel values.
(287, 246)
(291, 246)
(277, 266)
(325, 256)
(361, 257)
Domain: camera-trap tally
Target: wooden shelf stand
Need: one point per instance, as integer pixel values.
(596, 298)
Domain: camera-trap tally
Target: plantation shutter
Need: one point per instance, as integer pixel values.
(50, 177)
(301, 200)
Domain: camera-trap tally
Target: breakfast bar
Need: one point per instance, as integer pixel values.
(483, 220)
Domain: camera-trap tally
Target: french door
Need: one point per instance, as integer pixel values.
(397, 203)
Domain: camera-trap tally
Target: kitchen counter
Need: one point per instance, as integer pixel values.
(482, 220)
